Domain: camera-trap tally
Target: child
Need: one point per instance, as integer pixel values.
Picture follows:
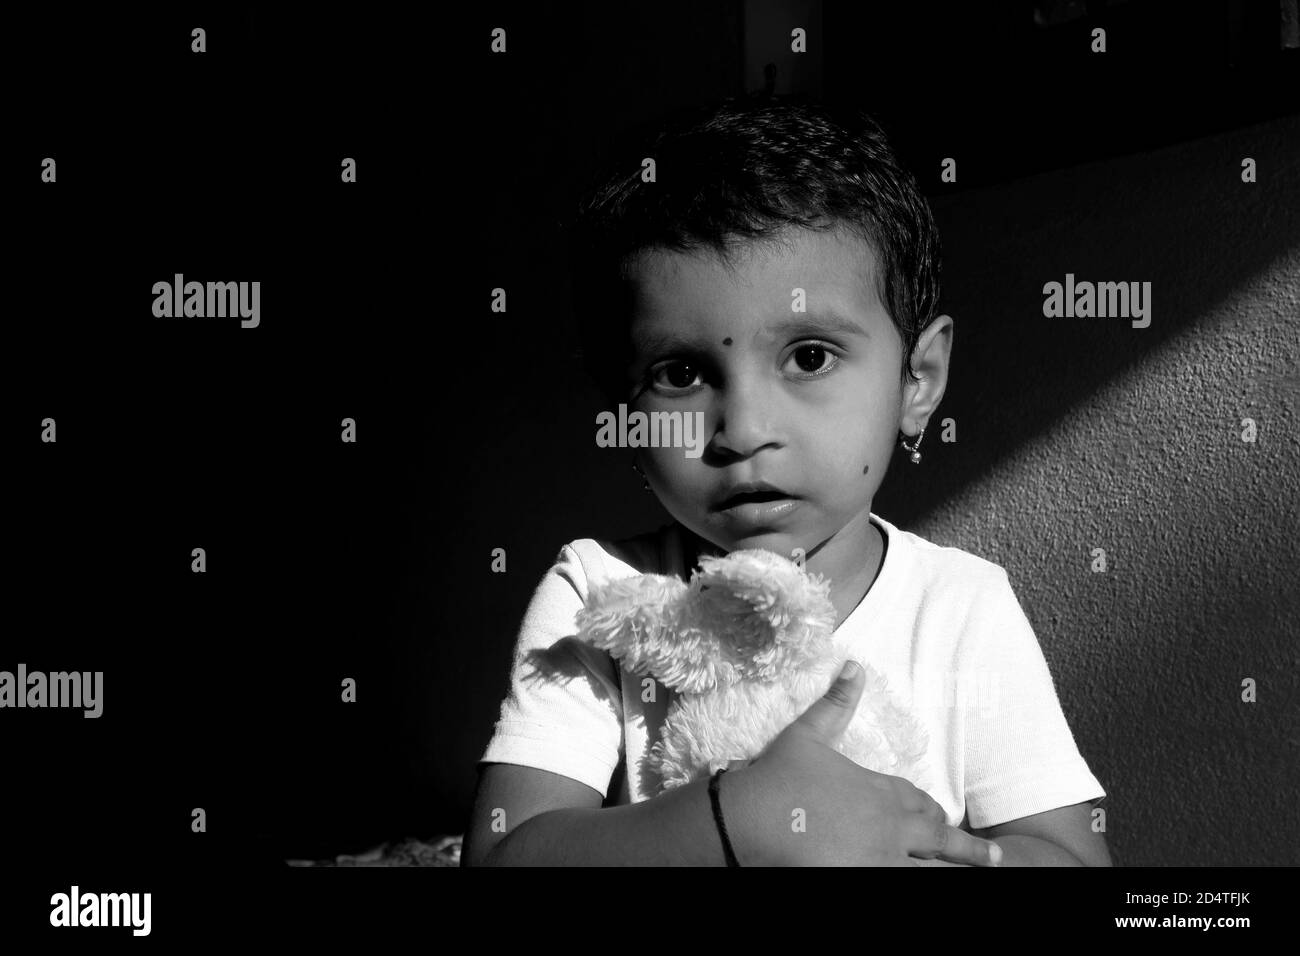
(779, 274)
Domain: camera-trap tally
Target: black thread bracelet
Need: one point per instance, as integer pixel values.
(717, 818)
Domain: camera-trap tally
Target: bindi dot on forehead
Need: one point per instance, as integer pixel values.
(727, 340)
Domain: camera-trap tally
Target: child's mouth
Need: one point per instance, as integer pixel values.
(752, 504)
(755, 497)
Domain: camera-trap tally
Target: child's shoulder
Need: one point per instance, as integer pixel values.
(936, 565)
(652, 552)
(944, 590)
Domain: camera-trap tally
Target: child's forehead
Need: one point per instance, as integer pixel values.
(798, 269)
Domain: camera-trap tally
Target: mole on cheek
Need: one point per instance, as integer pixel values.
(727, 340)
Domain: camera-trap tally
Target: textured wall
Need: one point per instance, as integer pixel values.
(1075, 434)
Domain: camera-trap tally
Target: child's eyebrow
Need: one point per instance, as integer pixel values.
(811, 324)
(821, 323)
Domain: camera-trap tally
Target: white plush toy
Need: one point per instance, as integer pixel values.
(748, 647)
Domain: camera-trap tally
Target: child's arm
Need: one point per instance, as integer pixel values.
(1061, 837)
(1020, 752)
(552, 820)
(877, 821)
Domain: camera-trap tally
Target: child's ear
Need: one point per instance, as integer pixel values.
(930, 360)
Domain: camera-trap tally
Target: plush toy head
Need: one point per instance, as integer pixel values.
(747, 646)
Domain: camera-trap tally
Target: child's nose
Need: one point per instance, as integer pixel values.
(747, 420)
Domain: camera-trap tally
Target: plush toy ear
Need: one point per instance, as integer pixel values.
(768, 612)
(634, 620)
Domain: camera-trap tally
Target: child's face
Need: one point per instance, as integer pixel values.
(809, 401)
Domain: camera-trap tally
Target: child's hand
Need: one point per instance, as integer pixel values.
(801, 803)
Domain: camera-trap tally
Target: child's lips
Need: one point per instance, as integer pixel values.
(752, 492)
(756, 497)
(747, 510)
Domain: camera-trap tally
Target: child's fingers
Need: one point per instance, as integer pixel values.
(930, 840)
(829, 715)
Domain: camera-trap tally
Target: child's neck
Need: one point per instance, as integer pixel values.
(841, 561)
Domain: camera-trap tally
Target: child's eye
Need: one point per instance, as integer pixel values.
(814, 359)
(678, 375)
(675, 375)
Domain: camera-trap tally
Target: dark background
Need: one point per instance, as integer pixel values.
(372, 560)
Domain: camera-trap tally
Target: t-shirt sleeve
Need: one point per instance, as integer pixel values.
(564, 709)
(1020, 757)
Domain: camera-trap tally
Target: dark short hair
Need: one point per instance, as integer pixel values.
(741, 172)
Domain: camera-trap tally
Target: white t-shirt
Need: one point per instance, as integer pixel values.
(941, 625)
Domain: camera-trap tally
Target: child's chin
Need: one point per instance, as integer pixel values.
(782, 541)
